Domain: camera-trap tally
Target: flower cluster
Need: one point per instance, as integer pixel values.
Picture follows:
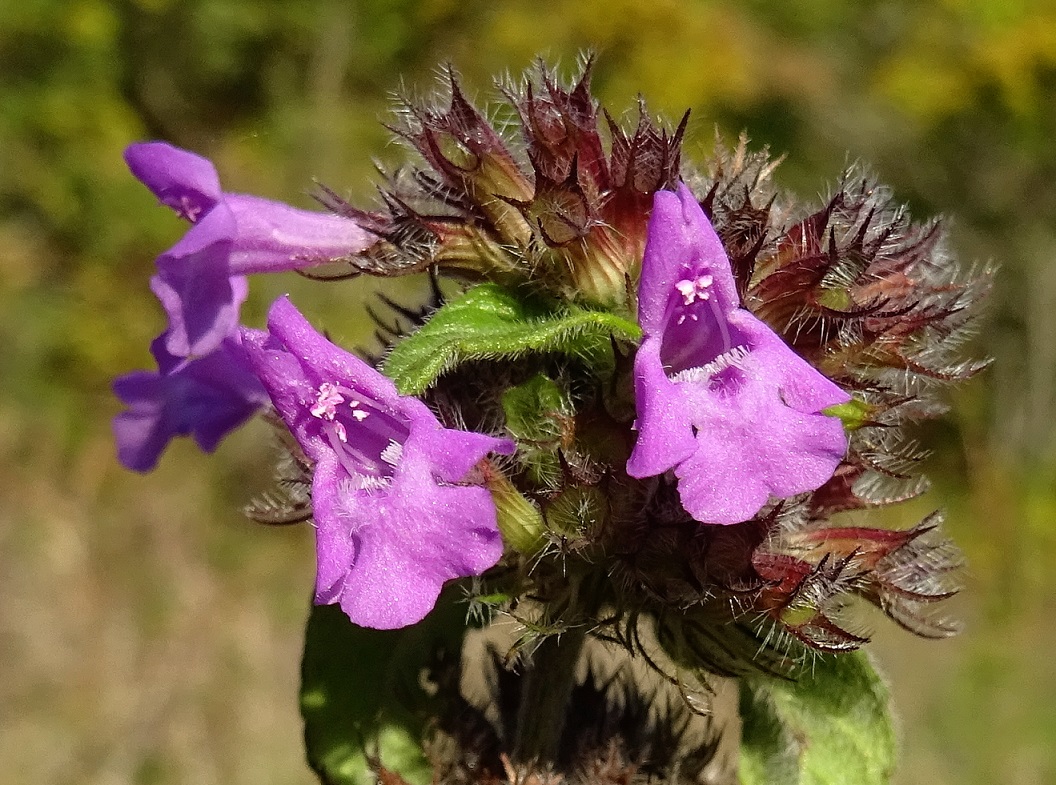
(645, 394)
(395, 514)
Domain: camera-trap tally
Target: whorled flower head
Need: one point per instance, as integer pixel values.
(201, 280)
(721, 399)
(732, 383)
(206, 398)
(810, 572)
(758, 316)
(395, 507)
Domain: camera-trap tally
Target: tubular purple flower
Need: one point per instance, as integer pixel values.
(396, 515)
(200, 280)
(206, 398)
(721, 398)
(196, 289)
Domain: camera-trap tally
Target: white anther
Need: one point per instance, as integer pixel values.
(694, 290)
(326, 402)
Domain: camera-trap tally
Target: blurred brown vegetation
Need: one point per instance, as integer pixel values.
(148, 634)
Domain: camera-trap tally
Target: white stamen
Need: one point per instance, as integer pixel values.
(356, 451)
(337, 438)
(734, 358)
(189, 209)
(326, 402)
(392, 453)
(687, 290)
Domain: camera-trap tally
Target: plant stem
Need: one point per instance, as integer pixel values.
(548, 683)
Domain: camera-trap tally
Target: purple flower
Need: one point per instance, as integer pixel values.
(721, 398)
(200, 280)
(206, 398)
(393, 521)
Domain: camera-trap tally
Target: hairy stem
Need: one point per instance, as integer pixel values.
(548, 683)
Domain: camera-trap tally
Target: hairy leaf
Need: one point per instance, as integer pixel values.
(830, 726)
(489, 323)
(361, 697)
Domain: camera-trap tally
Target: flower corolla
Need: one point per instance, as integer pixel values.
(201, 280)
(720, 398)
(206, 397)
(396, 508)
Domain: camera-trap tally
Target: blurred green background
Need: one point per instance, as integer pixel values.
(149, 634)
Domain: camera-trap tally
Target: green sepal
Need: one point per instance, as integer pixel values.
(854, 414)
(579, 511)
(490, 322)
(534, 410)
(520, 522)
(832, 725)
(537, 415)
(361, 696)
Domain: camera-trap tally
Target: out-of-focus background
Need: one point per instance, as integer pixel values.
(149, 634)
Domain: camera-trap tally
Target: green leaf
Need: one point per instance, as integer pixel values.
(830, 726)
(768, 748)
(361, 695)
(489, 323)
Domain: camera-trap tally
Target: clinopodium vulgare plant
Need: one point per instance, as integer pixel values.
(584, 517)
